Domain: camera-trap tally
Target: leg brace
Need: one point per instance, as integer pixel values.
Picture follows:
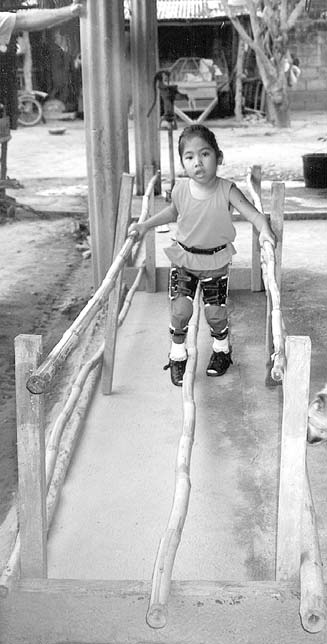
(214, 291)
(182, 288)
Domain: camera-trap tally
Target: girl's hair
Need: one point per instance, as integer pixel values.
(207, 135)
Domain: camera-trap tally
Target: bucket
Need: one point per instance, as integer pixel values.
(315, 170)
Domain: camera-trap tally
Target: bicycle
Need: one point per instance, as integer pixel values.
(30, 110)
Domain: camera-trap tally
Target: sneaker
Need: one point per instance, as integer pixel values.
(177, 370)
(219, 363)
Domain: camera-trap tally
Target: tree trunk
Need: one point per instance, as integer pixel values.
(278, 110)
(279, 113)
(239, 77)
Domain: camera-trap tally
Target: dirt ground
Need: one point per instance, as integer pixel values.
(44, 284)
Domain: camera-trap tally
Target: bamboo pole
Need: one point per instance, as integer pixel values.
(161, 580)
(150, 239)
(293, 451)
(41, 380)
(313, 601)
(129, 297)
(55, 434)
(271, 271)
(31, 461)
(276, 223)
(277, 324)
(253, 179)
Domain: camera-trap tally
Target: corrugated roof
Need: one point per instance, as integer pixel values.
(186, 9)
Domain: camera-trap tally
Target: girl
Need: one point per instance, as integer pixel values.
(202, 205)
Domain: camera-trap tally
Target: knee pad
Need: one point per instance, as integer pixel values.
(214, 290)
(181, 283)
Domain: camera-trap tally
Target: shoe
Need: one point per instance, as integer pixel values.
(177, 370)
(218, 363)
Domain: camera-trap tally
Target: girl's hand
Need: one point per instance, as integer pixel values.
(140, 229)
(76, 8)
(266, 234)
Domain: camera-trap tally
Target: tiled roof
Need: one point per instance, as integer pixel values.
(186, 9)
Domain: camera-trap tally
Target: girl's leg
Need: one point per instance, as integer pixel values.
(182, 287)
(215, 291)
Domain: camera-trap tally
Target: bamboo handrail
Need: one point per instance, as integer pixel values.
(55, 434)
(161, 581)
(130, 294)
(268, 267)
(278, 328)
(40, 381)
(312, 602)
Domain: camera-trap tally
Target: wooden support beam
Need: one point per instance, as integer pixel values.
(31, 461)
(124, 213)
(293, 451)
(106, 122)
(144, 62)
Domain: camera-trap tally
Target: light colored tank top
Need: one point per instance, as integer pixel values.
(7, 25)
(203, 223)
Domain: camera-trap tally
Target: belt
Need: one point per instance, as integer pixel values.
(202, 251)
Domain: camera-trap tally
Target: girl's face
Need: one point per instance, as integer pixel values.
(199, 160)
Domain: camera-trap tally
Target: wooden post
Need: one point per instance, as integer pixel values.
(254, 180)
(144, 62)
(150, 239)
(31, 461)
(124, 211)
(293, 451)
(106, 122)
(276, 223)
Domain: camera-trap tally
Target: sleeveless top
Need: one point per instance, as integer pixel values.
(7, 25)
(202, 223)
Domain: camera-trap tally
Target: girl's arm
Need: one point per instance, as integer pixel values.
(251, 214)
(165, 216)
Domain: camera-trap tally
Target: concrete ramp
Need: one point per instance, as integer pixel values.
(118, 494)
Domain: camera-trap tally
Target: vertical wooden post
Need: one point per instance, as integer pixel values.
(124, 210)
(106, 122)
(31, 461)
(276, 223)
(150, 239)
(144, 61)
(256, 276)
(293, 451)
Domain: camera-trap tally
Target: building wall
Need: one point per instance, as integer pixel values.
(309, 43)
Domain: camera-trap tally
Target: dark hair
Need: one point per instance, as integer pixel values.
(197, 129)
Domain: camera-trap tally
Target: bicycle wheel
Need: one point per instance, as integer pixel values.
(29, 111)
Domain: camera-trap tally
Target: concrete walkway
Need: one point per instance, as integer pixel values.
(119, 491)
